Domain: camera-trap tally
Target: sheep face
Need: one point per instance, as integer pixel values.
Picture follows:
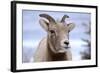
(58, 33)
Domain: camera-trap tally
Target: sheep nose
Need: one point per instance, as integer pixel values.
(67, 43)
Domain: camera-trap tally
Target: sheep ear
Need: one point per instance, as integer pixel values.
(44, 24)
(70, 26)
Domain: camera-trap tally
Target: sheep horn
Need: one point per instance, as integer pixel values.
(47, 17)
(64, 17)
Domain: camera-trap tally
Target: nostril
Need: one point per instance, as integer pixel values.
(66, 43)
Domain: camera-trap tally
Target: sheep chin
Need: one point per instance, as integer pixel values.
(62, 51)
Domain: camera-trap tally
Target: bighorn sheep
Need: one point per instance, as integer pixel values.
(56, 46)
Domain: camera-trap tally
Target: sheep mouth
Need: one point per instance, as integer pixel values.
(63, 49)
(66, 47)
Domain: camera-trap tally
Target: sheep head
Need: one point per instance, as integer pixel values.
(58, 32)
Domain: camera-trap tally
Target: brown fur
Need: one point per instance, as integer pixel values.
(44, 53)
(54, 47)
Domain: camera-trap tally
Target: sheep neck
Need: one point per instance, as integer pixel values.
(54, 56)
